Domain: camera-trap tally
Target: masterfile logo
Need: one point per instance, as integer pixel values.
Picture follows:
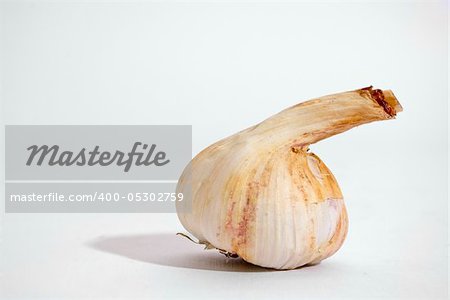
(104, 152)
(54, 156)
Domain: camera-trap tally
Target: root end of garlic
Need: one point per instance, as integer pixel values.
(208, 246)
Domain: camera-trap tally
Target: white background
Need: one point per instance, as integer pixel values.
(223, 67)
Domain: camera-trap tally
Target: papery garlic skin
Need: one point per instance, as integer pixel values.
(262, 195)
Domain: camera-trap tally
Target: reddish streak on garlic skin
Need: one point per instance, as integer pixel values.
(229, 220)
(241, 232)
(247, 217)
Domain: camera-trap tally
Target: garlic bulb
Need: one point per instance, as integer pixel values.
(261, 195)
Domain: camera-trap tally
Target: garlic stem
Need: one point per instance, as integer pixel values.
(323, 117)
